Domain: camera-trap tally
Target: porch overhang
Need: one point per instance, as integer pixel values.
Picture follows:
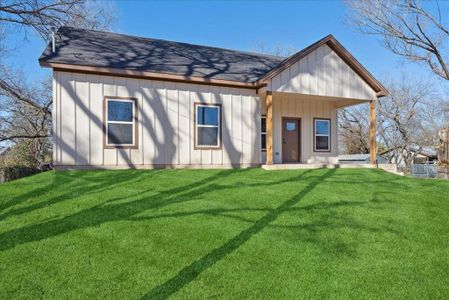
(332, 104)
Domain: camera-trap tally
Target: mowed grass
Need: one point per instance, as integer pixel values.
(224, 234)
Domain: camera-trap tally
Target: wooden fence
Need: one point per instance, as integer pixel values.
(11, 173)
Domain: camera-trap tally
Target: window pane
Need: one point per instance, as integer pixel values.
(290, 126)
(120, 134)
(322, 127)
(264, 141)
(207, 115)
(322, 143)
(264, 124)
(120, 111)
(207, 136)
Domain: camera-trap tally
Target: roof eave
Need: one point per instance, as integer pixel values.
(147, 75)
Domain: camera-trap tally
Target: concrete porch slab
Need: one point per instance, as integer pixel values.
(386, 167)
(315, 166)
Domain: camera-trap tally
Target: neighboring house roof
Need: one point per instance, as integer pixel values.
(359, 158)
(430, 152)
(105, 52)
(354, 157)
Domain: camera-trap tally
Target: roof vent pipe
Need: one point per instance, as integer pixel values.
(53, 46)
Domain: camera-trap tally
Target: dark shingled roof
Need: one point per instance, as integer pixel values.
(118, 51)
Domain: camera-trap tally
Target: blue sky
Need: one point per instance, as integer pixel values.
(238, 25)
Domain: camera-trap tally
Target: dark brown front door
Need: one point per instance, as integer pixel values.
(290, 139)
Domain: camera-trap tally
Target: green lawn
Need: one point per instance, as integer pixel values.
(341, 233)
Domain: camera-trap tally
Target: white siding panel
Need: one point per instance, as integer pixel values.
(217, 155)
(185, 124)
(55, 115)
(134, 90)
(109, 90)
(195, 156)
(338, 76)
(96, 119)
(285, 80)
(148, 121)
(247, 120)
(172, 124)
(321, 70)
(276, 83)
(236, 138)
(82, 114)
(312, 69)
(68, 122)
(303, 77)
(329, 74)
(294, 83)
(159, 105)
(228, 146)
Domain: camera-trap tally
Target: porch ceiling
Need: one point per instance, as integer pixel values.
(339, 101)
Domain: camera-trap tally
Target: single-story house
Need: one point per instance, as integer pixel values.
(359, 159)
(424, 154)
(126, 101)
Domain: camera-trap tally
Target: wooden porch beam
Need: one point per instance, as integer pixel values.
(269, 125)
(372, 132)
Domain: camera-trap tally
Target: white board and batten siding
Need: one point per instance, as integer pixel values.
(165, 123)
(322, 73)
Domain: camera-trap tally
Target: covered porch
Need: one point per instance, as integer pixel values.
(302, 130)
(301, 100)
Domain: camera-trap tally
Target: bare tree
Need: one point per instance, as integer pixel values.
(410, 118)
(407, 120)
(277, 49)
(354, 129)
(417, 31)
(25, 108)
(41, 15)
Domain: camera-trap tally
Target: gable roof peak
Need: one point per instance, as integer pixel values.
(341, 51)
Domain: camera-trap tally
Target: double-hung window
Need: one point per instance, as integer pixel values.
(120, 122)
(263, 131)
(322, 137)
(207, 125)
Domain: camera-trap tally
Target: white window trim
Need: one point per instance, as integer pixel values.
(218, 146)
(133, 122)
(315, 135)
(263, 132)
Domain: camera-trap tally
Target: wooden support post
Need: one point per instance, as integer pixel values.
(372, 132)
(269, 124)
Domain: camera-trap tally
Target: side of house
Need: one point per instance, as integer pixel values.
(164, 128)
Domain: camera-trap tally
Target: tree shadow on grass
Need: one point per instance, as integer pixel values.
(71, 185)
(109, 211)
(190, 272)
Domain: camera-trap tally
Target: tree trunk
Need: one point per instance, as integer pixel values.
(443, 154)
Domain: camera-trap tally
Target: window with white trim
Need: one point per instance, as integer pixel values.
(263, 132)
(322, 129)
(120, 122)
(208, 126)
